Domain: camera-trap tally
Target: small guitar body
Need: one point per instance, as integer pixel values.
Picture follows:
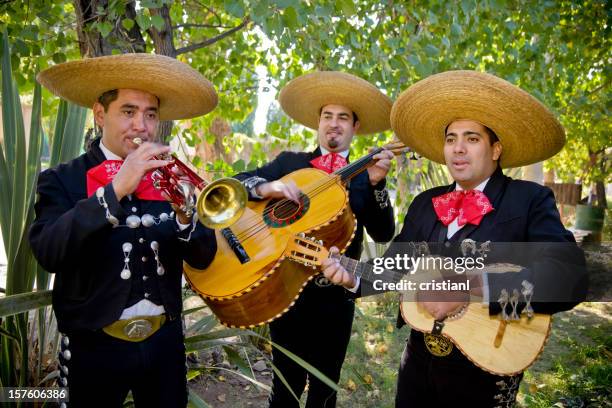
(496, 346)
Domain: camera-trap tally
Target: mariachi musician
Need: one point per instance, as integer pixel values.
(338, 106)
(115, 245)
(477, 124)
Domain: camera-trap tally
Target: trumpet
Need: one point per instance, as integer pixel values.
(218, 205)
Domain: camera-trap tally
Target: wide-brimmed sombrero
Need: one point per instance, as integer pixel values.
(527, 130)
(303, 97)
(182, 91)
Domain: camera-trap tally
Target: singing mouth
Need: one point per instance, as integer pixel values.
(460, 164)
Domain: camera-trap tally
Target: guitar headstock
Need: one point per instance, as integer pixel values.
(306, 250)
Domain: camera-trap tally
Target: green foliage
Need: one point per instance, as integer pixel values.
(19, 167)
(556, 50)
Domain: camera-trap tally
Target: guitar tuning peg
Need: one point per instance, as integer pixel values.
(320, 242)
(301, 235)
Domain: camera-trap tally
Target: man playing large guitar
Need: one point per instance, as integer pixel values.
(476, 124)
(338, 106)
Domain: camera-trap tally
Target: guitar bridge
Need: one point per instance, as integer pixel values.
(236, 246)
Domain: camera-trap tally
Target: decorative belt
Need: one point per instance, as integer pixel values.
(135, 329)
(438, 345)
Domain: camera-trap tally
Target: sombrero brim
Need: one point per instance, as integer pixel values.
(303, 97)
(527, 130)
(182, 91)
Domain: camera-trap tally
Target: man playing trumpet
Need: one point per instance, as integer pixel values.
(114, 243)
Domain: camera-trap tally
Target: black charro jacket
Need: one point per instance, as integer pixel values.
(72, 238)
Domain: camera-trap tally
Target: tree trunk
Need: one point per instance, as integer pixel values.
(92, 43)
(600, 193)
(163, 40)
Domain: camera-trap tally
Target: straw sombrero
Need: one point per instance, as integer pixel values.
(527, 130)
(303, 97)
(182, 91)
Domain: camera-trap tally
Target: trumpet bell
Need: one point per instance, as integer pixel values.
(221, 203)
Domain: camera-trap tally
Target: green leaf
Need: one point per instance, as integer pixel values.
(239, 166)
(158, 22)
(290, 18)
(234, 7)
(235, 358)
(413, 60)
(143, 21)
(456, 30)
(23, 302)
(431, 50)
(466, 6)
(196, 401)
(347, 7)
(105, 28)
(127, 23)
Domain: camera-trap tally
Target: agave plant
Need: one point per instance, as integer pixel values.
(24, 330)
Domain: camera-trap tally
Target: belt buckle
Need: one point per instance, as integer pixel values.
(438, 345)
(138, 329)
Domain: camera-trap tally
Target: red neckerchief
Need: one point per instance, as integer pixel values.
(104, 173)
(329, 162)
(468, 206)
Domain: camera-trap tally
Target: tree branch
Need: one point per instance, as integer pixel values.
(213, 40)
(190, 25)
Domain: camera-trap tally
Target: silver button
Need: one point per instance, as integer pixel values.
(133, 221)
(144, 259)
(146, 295)
(67, 355)
(148, 220)
(447, 244)
(125, 274)
(141, 240)
(145, 277)
(134, 209)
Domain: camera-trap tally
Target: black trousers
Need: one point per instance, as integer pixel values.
(425, 380)
(317, 329)
(102, 369)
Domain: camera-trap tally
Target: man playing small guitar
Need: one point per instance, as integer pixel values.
(477, 124)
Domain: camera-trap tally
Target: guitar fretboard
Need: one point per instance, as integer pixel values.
(352, 169)
(366, 271)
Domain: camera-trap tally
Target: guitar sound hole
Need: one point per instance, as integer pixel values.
(282, 212)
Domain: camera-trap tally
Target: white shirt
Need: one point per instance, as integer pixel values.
(453, 227)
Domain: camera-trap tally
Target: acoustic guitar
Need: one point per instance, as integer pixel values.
(249, 281)
(499, 346)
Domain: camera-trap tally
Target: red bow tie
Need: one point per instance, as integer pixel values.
(329, 162)
(104, 173)
(468, 206)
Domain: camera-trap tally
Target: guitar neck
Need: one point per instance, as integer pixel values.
(352, 169)
(366, 272)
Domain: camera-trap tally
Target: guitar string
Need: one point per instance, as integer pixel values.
(346, 171)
